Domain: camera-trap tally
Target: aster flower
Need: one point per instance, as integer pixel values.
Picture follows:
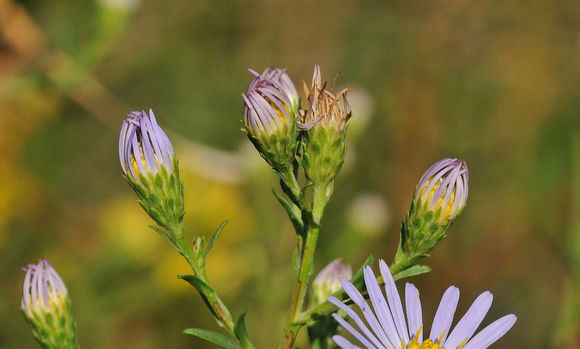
(144, 148)
(46, 306)
(270, 105)
(444, 186)
(387, 327)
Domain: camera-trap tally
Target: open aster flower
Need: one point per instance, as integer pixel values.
(387, 327)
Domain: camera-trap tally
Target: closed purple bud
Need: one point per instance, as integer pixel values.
(47, 308)
(327, 281)
(43, 291)
(143, 146)
(268, 109)
(444, 185)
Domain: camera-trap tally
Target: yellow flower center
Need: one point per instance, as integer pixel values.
(447, 209)
(427, 344)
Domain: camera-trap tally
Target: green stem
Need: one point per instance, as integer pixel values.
(223, 315)
(214, 301)
(292, 328)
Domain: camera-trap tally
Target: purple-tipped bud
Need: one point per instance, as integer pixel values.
(143, 146)
(444, 186)
(46, 307)
(327, 281)
(44, 291)
(268, 109)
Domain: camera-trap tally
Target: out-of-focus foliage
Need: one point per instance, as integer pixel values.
(493, 82)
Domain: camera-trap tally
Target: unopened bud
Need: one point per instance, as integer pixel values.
(47, 307)
(327, 281)
(270, 105)
(444, 188)
(152, 170)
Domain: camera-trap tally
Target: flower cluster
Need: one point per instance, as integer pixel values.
(291, 139)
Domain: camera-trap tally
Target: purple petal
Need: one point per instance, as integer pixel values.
(381, 308)
(466, 327)
(414, 312)
(354, 332)
(374, 324)
(394, 301)
(344, 343)
(444, 314)
(491, 333)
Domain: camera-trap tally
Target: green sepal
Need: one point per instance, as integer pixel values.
(241, 331)
(53, 330)
(213, 337)
(412, 271)
(161, 196)
(323, 152)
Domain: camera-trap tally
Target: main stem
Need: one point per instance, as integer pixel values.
(312, 219)
(291, 329)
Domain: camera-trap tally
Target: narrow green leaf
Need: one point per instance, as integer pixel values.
(213, 337)
(204, 290)
(214, 237)
(294, 215)
(241, 331)
(412, 271)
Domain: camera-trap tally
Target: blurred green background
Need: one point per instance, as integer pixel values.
(493, 82)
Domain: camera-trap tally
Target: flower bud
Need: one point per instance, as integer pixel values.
(444, 188)
(439, 198)
(144, 149)
(324, 130)
(327, 281)
(47, 307)
(270, 105)
(152, 170)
